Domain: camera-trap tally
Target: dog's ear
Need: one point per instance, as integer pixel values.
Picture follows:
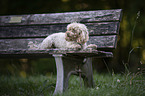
(66, 36)
(85, 33)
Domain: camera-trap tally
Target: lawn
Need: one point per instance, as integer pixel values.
(105, 85)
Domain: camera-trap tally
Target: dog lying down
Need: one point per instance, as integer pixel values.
(75, 38)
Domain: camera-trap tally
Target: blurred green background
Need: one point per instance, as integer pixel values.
(121, 60)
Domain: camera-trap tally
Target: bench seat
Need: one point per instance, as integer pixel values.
(49, 52)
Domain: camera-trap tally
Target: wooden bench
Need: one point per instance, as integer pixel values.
(17, 30)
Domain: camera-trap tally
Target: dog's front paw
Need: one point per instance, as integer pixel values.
(92, 46)
(75, 47)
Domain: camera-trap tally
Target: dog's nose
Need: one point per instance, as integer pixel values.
(68, 34)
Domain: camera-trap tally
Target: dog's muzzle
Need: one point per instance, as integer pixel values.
(71, 35)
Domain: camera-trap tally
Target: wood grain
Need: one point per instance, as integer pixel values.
(20, 44)
(103, 28)
(26, 53)
(16, 31)
(67, 17)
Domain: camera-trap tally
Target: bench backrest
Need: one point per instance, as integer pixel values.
(17, 30)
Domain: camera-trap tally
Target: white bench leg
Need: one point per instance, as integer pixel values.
(63, 73)
(60, 74)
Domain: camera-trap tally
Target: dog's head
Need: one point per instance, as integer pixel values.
(77, 32)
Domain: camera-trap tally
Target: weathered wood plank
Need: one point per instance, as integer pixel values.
(104, 28)
(20, 44)
(26, 53)
(104, 41)
(67, 17)
(17, 44)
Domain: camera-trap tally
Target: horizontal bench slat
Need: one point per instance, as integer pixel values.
(67, 17)
(15, 44)
(48, 53)
(104, 41)
(103, 28)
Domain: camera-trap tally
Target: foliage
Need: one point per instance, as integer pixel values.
(26, 67)
(106, 85)
(31, 86)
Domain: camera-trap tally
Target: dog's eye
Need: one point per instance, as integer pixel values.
(73, 30)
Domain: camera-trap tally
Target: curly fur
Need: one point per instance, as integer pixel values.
(75, 37)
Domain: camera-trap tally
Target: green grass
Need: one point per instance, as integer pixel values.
(105, 85)
(31, 86)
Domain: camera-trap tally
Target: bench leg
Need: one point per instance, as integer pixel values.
(64, 71)
(88, 73)
(67, 67)
(60, 74)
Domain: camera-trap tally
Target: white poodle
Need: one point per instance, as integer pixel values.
(75, 37)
